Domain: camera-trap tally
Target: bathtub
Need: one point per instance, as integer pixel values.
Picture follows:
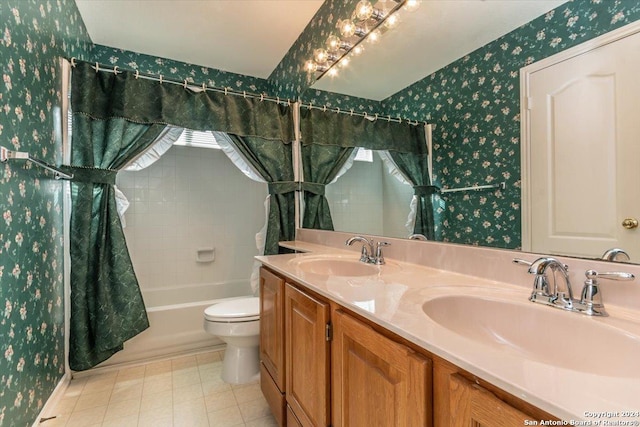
(175, 321)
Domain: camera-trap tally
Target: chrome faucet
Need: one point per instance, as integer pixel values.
(616, 254)
(367, 255)
(554, 296)
(590, 302)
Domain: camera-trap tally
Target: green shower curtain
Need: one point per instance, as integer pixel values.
(106, 304)
(321, 164)
(273, 161)
(329, 138)
(115, 118)
(415, 168)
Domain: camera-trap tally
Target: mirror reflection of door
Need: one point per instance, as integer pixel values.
(584, 148)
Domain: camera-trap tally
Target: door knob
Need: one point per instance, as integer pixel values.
(630, 223)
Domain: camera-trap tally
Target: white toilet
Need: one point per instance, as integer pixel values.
(237, 322)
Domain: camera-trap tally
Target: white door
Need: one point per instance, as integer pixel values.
(584, 147)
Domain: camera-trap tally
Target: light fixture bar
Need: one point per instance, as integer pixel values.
(346, 52)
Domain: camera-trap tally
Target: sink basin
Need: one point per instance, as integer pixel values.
(331, 265)
(541, 334)
(338, 267)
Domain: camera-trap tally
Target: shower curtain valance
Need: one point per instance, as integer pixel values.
(343, 130)
(103, 95)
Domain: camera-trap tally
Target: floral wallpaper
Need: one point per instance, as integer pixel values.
(176, 70)
(289, 79)
(34, 35)
(474, 105)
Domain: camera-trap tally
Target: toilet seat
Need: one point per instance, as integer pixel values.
(237, 310)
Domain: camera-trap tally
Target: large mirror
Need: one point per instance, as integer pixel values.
(472, 98)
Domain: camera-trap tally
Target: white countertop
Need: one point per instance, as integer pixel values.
(394, 298)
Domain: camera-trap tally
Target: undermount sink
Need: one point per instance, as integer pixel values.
(542, 334)
(338, 266)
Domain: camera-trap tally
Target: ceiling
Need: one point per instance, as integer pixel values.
(251, 37)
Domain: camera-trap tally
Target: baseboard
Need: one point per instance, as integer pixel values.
(54, 399)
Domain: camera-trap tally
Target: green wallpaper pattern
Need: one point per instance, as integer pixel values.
(288, 78)
(34, 34)
(474, 105)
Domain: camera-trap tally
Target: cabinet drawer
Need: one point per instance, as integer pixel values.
(275, 398)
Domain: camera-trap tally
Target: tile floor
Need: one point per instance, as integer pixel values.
(185, 391)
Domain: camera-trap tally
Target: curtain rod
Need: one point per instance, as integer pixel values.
(228, 91)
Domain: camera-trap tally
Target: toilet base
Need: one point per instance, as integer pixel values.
(241, 365)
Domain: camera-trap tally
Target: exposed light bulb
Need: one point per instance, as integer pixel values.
(321, 56)
(333, 43)
(310, 66)
(344, 62)
(374, 36)
(392, 21)
(364, 10)
(347, 28)
(411, 5)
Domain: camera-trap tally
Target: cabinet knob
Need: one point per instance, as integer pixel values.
(630, 223)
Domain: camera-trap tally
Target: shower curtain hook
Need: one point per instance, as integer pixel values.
(160, 78)
(365, 115)
(389, 119)
(324, 108)
(310, 106)
(376, 116)
(288, 103)
(351, 114)
(97, 67)
(338, 110)
(261, 97)
(137, 74)
(115, 70)
(244, 94)
(185, 83)
(204, 88)
(277, 99)
(73, 62)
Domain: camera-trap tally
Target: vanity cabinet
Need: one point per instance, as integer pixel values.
(272, 369)
(307, 357)
(473, 405)
(337, 368)
(377, 381)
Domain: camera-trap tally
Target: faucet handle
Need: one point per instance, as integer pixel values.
(611, 275)
(379, 258)
(591, 297)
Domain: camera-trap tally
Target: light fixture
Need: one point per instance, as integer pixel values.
(367, 22)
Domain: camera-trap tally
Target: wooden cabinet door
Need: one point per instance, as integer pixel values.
(272, 326)
(473, 406)
(377, 381)
(307, 358)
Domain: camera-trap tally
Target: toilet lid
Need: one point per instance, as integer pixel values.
(237, 310)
